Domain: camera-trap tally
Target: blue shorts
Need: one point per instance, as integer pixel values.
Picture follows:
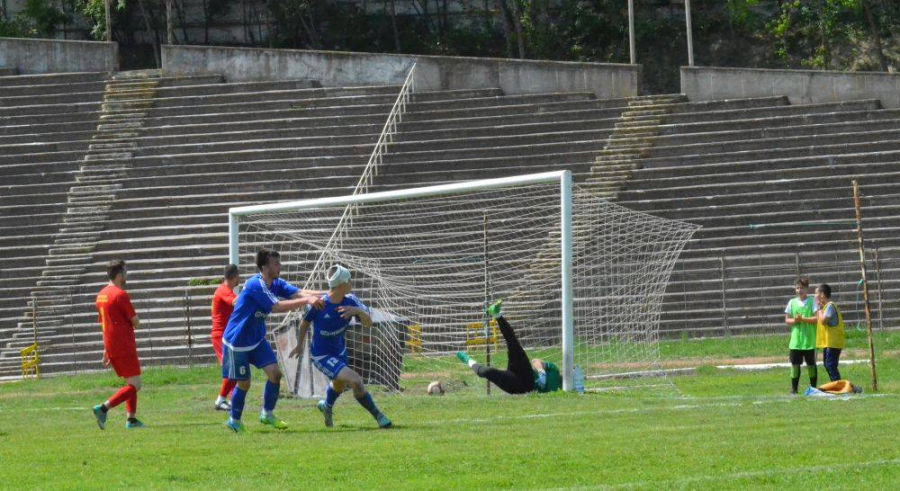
(331, 366)
(236, 364)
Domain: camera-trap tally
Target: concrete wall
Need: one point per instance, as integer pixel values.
(800, 86)
(53, 56)
(433, 72)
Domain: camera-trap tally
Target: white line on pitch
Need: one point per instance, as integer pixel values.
(729, 477)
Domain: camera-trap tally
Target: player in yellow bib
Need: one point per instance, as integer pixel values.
(799, 316)
(829, 331)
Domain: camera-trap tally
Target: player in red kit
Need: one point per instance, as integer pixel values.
(222, 307)
(118, 321)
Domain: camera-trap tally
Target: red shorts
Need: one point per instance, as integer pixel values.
(217, 345)
(126, 366)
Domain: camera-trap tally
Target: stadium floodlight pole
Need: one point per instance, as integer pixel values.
(631, 47)
(690, 32)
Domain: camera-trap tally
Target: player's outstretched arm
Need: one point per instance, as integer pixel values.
(298, 351)
(295, 303)
(350, 312)
(310, 293)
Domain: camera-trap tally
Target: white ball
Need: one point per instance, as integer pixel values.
(435, 388)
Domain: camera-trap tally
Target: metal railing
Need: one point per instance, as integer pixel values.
(390, 128)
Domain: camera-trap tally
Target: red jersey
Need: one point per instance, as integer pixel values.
(116, 312)
(222, 307)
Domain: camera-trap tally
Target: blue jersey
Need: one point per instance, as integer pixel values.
(247, 325)
(328, 326)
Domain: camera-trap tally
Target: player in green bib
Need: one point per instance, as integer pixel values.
(803, 334)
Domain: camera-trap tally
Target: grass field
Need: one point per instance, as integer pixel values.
(719, 429)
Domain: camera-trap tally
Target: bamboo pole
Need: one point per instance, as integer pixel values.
(862, 262)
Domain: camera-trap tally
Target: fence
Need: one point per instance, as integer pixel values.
(732, 296)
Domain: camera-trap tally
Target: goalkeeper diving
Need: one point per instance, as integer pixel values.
(521, 375)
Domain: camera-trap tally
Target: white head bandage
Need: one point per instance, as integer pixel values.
(337, 275)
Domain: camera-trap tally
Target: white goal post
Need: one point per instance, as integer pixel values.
(564, 178)
(582, 278)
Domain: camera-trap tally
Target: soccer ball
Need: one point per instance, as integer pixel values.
(435, 388)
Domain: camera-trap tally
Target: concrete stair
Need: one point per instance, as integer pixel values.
(770, 186)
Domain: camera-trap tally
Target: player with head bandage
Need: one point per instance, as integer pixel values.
(328, 349)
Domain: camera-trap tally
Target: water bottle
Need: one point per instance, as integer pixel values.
(578, 375)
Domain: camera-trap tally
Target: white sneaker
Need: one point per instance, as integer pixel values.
(223, 406)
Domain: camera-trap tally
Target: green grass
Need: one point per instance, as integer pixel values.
(719, 429)
(766, 346)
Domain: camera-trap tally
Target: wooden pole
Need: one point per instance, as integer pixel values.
(487, 299)
(170, 32)
(108, 19)
(880, 292)
(862, 262)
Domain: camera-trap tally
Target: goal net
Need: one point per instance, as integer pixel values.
(582, 279)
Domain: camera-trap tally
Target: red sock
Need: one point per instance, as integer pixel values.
(227, 387)
(131, 404)
(124, 394)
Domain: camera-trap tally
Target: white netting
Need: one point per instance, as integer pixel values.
(428, 265)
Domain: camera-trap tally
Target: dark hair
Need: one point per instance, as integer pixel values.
(802, 281)
(263, 255)
(115, 268)
(825, 288)
(231, 272)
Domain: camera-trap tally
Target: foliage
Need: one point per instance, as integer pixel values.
(39, 18)
(833, 34)
(203, 282)
(94, 10)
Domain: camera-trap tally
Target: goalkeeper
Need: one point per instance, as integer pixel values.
(521, 375)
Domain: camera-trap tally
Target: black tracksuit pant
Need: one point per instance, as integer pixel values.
(518, 377)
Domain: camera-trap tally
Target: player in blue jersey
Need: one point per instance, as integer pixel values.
(244, 341)
(328, 350)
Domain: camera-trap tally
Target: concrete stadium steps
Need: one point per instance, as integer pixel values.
(738, 116)
(874, 120)
(57, 153)
(203, 149)
(888, 143)
(59, 94)
(10, 81)
(161, 188)
(767, 183)
(706, 187)
(99, 86)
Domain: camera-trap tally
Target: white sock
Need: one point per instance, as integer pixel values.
(220, 400)
(472, 362)
(267, 414)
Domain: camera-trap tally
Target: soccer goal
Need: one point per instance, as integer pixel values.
(582, 278)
